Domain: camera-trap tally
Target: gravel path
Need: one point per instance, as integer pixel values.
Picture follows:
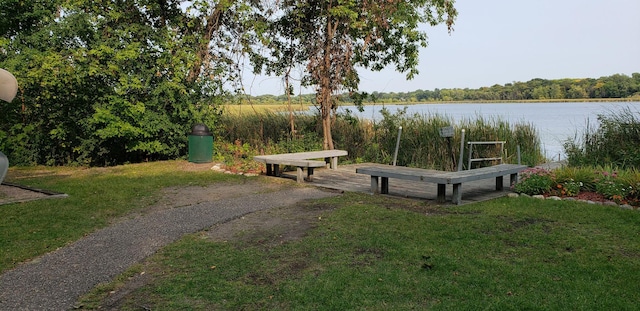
(56, 280)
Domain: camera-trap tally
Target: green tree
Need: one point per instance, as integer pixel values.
(105, 82)
(576, 91)
(330, 39)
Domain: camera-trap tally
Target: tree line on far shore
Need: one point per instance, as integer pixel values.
(617, 86)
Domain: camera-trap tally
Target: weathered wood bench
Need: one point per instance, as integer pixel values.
(441, 178)
(301, 160)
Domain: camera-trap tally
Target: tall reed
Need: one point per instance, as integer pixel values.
(375, 141)
(615, 142)
(266, 130)
(422, 146)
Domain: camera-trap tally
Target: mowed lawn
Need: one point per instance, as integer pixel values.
(97, 197)
(382, 253)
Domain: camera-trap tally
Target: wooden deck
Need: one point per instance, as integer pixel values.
(345, 179)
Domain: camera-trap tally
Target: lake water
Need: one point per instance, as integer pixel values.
(555, 122)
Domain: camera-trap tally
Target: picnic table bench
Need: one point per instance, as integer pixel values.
(441, 178)
(301, 160)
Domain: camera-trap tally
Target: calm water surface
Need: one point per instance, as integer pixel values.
(555, 122)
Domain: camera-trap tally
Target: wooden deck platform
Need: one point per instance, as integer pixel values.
(345, 179)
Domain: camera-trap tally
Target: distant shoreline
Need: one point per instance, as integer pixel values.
(583, 100)
(369, 103)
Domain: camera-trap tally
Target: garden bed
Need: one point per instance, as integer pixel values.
(600, 185)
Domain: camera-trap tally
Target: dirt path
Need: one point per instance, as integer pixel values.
(56, 280)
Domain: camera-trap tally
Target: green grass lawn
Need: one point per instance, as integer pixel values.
(365, 252)
(376, 253)
(96, 197)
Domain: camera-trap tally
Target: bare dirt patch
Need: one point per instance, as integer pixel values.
(265, 228)
(273, 226)
(190, 195)
(269, 227)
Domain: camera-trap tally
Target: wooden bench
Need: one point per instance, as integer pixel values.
(301, 160)
(441, 178)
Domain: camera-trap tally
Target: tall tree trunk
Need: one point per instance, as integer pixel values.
(326, 89)
(327, 142)
(289, 90)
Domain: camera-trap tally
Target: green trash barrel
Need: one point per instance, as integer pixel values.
(200, 144)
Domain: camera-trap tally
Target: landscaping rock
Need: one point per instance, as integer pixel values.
(573, 199)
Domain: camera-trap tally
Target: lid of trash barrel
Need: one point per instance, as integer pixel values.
(200, 130)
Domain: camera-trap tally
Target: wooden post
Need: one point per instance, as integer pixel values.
(395, 155)
(442, 188)
(460, 160)
(374, 185)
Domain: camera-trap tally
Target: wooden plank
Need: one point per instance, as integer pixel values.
(302, 155)
(301, 163)
(303, 159)
(486, 172)
(346, 179)
(441, 177)
(407, 173)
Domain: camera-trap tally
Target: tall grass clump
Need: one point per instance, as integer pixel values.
(374, 141)
(352, 134)
(615, 142)
(269, 132)
(522, 134)
(420, 143)
(584, 176)
(422, 146)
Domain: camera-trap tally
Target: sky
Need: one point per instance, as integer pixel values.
(505, 41)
